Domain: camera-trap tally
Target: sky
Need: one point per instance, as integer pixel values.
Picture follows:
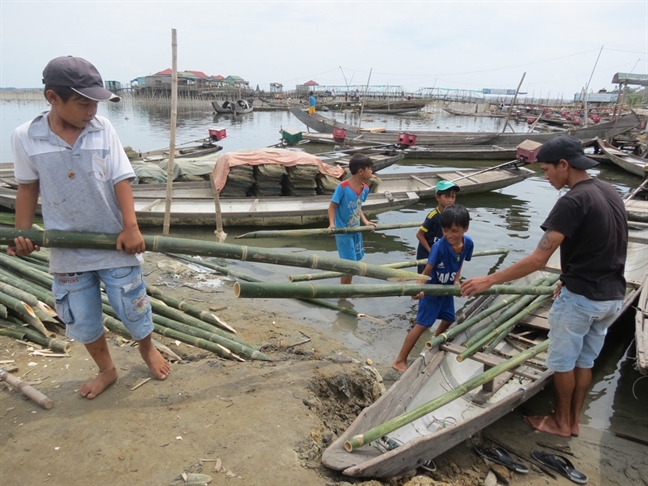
(557, 45)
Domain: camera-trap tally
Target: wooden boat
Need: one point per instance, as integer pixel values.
(196, 207)
(240, 107)
(469, 181)
(498, 114)
(201, 148)
(437, 370)
(641, 329)
(632, 163)
(457, 152)
(390, 111)
(323, 124)
(636, 203)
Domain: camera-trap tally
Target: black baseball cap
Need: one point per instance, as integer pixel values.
(79, 75)
(568, 148)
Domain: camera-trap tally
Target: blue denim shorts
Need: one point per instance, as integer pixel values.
(577, 329)
(350, 246)
(78, 302)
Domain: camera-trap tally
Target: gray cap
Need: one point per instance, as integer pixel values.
(568, 148)
(79, 75)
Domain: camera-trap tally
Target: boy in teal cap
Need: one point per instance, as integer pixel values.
(430, 231)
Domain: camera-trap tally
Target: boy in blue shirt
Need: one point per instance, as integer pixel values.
(430, 231)
(444, 267)
(311, 103)
(73, 160)
(345, 210)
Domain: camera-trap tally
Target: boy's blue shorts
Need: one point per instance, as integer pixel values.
(350, 246)
(432, 307)
(78, 302)
(577, 329)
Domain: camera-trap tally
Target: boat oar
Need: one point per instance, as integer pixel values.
(644, 185)
(510, 163)
(268, 290)
(359, 440)
(325, 231)
(162, 244)
(27, 390)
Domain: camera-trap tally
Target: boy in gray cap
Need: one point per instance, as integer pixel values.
(589, 224)
(73, 159)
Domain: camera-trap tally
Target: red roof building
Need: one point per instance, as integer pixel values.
(198, 74)
(311, 83)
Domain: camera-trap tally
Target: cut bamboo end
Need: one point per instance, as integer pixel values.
(237, 289)
(460, 358)
(60, 346)
(354, 443)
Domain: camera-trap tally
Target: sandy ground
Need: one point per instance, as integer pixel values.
(252, 423)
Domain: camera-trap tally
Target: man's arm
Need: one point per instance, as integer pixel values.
(130, 239)
(26, 202)
(535, 261)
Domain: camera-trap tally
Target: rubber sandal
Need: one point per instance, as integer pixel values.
(561, 465)
(501, 456)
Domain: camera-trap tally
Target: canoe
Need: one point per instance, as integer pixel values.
(240, 107)
(199, 149)
(632, 163)
(488, 114)
(194, 206)
(323, 124)
(437, 371)
(641, 329)
(470, 181)
(636, 203)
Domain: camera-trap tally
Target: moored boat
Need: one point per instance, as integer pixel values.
(458, 398)
(641, 329)
(323, 124)
(239, 107)
(632, 163)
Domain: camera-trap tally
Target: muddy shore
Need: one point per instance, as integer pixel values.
(252, 423)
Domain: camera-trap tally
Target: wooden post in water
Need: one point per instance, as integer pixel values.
(508, 115)
(174, 116)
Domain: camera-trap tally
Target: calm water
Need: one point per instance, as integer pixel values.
(509, 219)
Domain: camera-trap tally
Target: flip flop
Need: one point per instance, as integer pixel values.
(501, 456)
(560, 464)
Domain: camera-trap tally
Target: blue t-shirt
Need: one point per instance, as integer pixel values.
(312, 101)
(446, 262)
(349, 203)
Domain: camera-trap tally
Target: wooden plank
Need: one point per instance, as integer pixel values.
(488, 359)
(418, 179)
(149, 206)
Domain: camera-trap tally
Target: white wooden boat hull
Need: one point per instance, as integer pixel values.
(631, 163)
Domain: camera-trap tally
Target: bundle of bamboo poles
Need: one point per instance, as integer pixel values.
(25, 298)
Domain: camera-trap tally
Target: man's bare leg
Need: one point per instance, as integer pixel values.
(583, 378)
(410, 340)
(107, 371)
(559, 423)
(159, 367)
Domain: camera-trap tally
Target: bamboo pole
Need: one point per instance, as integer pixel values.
(407, 264)
(27, 390)
(215, 348)
(324, 231)
(248, 278)
(26, 313)
(359, 440)
(505, 327)
(307, 290)
(161, 244)
(508, 115)
(458, 329)
(56, 345)
(174, 117)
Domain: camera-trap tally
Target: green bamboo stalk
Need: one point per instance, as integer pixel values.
(186, 307)
(18, 266)
(458, 329)
(407, 264)
(56, 345)
(26, 313)
(233, 346)
(503, 328)
(248, 278)
(195, 341)
(162, 244)
(19, 294)
(12, 334)
(359, 440)
(3, 311)
(39, 292)
(325, 231)
(306, 290)
(41, 255)
(508, 313)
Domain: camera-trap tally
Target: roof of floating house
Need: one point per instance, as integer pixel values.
(218, 77)
(165, 72)
(235, 79)
(311, 83)
(198, 74)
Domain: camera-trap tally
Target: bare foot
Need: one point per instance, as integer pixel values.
(546, 423)
(400, 366)
(575, 430)
(159, 367)
(98, 384)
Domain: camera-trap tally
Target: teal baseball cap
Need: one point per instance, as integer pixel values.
(445, 185)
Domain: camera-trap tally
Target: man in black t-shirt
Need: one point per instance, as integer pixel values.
(589, 224)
